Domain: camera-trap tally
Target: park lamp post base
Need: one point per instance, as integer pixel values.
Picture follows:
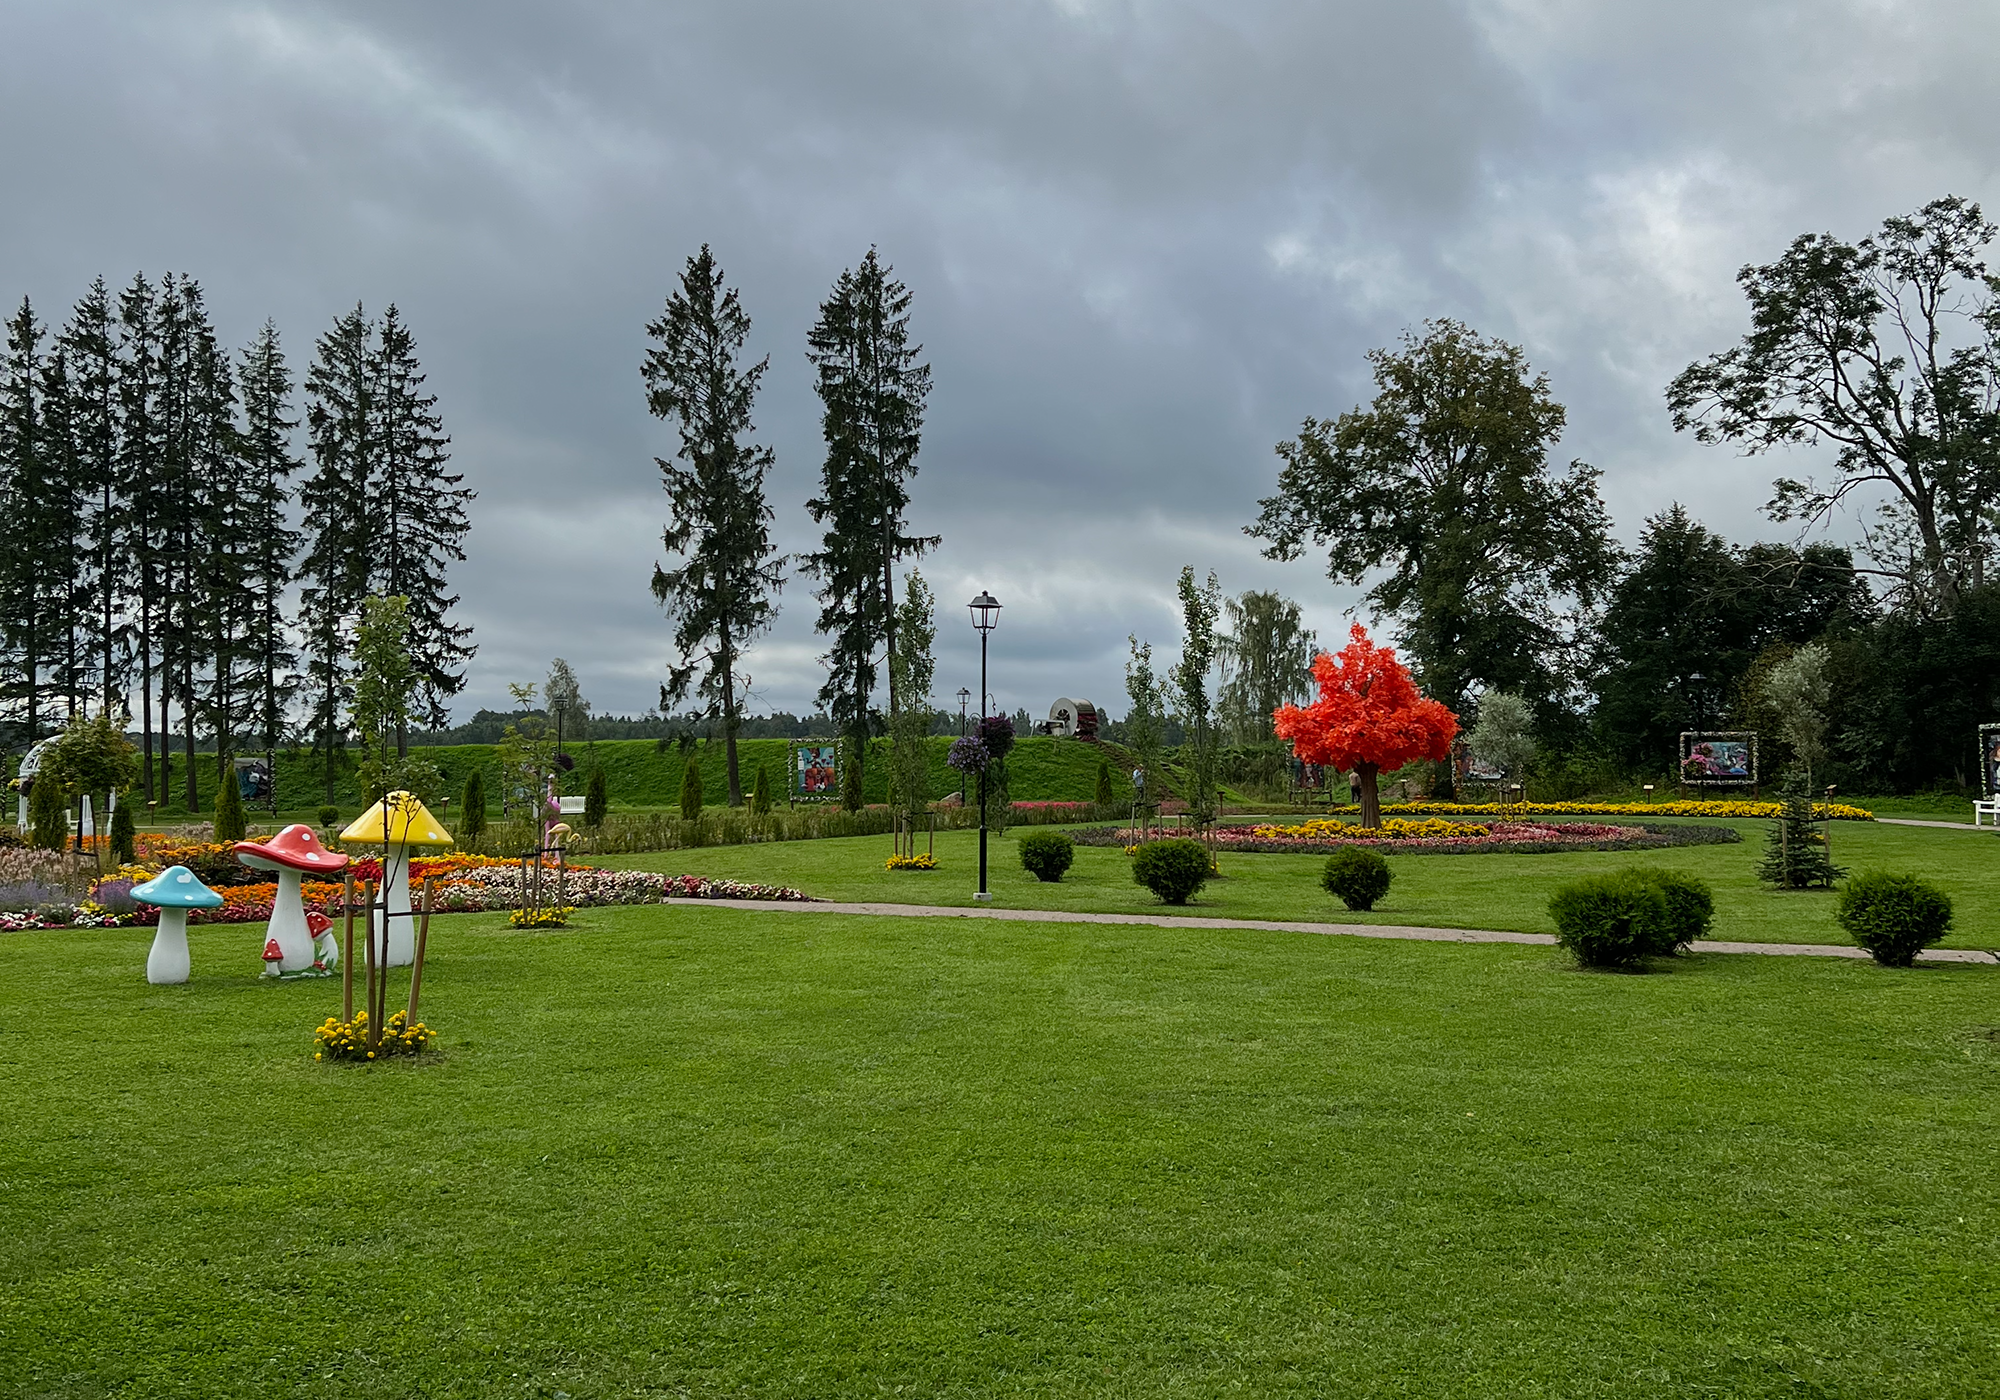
(984, 897)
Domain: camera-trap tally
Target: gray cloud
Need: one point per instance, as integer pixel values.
(1145, 238)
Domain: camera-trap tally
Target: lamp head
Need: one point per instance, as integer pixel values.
(985, 611)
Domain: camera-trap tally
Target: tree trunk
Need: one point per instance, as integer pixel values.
(1371, 801)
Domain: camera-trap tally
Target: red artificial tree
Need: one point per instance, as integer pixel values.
(1369, 717)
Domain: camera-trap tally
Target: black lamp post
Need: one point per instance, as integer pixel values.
(963, 696)
(985, 617)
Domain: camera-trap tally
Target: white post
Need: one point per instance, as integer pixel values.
(396, 902)
(85, 826)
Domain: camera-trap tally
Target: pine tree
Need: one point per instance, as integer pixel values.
(1796, 855)
(872, 391)
(140, 473)
(34, 587)
(267, 462)
(722, 592)
(104, 585)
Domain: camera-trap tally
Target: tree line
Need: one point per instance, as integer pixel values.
(1497, 569)
(166, 543)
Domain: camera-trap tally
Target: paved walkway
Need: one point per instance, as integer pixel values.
(1918, 821)
(1422, 935)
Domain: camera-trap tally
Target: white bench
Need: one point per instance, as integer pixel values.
(1989, 809)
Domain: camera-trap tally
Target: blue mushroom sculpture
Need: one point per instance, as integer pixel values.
(173, 892)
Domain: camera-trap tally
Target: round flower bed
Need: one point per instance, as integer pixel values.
(1396, 837)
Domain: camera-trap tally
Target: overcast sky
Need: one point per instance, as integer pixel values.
(1145, 240)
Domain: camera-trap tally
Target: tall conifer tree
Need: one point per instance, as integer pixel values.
(723, 591)
(872, 390)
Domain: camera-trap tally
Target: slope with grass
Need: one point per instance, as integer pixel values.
(703, 1152)
(1498, 891)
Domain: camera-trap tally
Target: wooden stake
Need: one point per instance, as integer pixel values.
(423, 937)
(368, 899)
(347, 959)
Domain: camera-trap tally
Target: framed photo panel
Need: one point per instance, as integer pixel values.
(1727, 759)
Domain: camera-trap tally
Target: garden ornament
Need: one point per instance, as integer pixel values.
(293, 853)
(274, 958)
(399, 824)
(326, 948)
(173, 892)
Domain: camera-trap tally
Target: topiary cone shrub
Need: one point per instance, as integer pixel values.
(124, 834)
(1611, 920)
(472, 808)
(1047, 854)
(1103, 795)
(230, 823)
(760, 793)
(596, 798)
(1894, 917)
(1173, 869)
(1357, 877)
(48, 816)
(691, 796)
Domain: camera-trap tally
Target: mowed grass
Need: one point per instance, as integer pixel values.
(1461, 891)
(684, 1151)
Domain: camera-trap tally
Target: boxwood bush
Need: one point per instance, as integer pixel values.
(1172, 869)
(1047, 854)
(1356, 876)
(1611, 920)
(1690, 908)
(1893, 916)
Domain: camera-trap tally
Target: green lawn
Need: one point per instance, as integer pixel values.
(1463, 891)
(699, 1152)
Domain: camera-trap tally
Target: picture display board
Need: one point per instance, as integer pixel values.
(815, 772)
(1989, 759)
(1725, 759)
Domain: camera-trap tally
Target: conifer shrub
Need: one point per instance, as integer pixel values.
(124, 834)
(691, 795)
(472, 807)
(1611, 920)
(1173, 869)
(329, 817)
(760, 793)
(1690, 908)
(1894, 917)
(1796, 855)
(850, 778)
(1104, 796)
(48, 816)
(1356, 876)
(596, 798)
(230, 821)
(1047, 854)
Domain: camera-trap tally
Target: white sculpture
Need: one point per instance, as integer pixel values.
(293, 853)
(173, 892)
(400, 825)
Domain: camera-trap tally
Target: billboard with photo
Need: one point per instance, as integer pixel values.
(1719, 760)
(1989, 758)
(815, 771)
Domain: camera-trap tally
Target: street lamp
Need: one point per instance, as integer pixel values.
(985, 617)
(963, 696)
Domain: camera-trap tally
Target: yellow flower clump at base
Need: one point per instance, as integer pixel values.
(1692, 807)
(926, 861)
(541, 918)
(348, 1040)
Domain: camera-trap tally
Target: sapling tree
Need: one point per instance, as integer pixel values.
(93, 757)
(1504, 734)
(386, 680)
(527, 755)
(1200, 606)
(912, 666)
(1797, 690)
(1142, 721)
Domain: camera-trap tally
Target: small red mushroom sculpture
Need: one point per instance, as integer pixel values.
(326, 948)
(293, 853)
(274, 958)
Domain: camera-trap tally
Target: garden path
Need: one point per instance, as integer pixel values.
(1426, 935)
(1916, 821)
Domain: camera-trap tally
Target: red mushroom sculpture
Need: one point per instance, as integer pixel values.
(293, 853)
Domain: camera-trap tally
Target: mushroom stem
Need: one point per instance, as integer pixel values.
(288, 923)
(167, 963)
(399, 920)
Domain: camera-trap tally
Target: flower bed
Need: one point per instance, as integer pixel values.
(1721, 807)
(1425, 838)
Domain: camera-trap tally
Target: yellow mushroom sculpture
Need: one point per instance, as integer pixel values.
(401, 825)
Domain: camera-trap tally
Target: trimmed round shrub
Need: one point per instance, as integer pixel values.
(1172, 869)
(1611, 920)
(1047, 854)
(1690, 908)
(1893, 916)
(1356, 876)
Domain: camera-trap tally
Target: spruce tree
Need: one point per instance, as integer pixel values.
(31, 617)
(721, 593)
(267, 463)
(1796, 855)
(104, 583)
(141, 471)
(872, 390)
